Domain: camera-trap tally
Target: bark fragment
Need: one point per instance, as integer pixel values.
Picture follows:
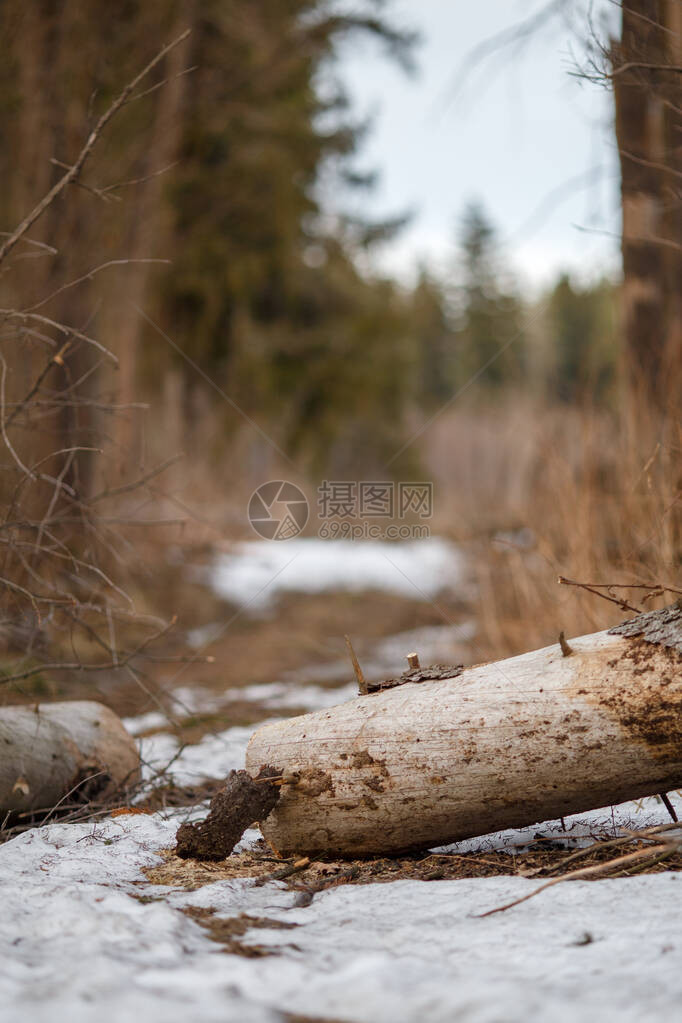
(237, 805)
(662, 627)
(430, 674)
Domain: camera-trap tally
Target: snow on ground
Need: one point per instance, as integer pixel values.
(213, 757)
(77, 943)
(435, 643)
(578, 830)
(254, 573)
(271, 695)
(85, 937)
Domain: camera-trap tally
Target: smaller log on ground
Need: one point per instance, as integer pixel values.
(48, 751)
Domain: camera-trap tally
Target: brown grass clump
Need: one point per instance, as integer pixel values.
(536, 493)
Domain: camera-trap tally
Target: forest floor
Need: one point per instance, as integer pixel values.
(101, 919)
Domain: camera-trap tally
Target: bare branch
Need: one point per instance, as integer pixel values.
(15, 314)
(117, 491)
(79, 666)
(8, 445)
(56, 360)
(74, 171)
(89, 276)
(138, 181)
(634, 65)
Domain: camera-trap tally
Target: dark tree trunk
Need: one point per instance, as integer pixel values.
(649, 135)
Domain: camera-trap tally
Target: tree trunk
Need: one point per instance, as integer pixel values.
(649, 137)
(501, 745)
(77, 749)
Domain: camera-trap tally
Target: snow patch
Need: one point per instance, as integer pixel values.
(77, 943)
(255, 573)
(213, 757)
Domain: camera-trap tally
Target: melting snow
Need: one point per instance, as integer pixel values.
(213, 757)
(254, 573)
(76, 943)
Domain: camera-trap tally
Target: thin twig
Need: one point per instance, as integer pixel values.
(139, 181)
(27, 472)
(665, 799)
(56, 360)
(360, 678)
(89, 276)
(75, 170)
(79, 666)
(563, 581)
(126, 488)
(594, 871)
(636, 65)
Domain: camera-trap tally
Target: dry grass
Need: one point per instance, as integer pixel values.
(540, 492)
(532, 492)
(313, 876)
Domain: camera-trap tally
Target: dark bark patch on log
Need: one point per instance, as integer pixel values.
(91, 782)
(240, 802)
(651, 708)
(664, 627)
(364, 758)
(377, 768)
(313, 781)
(376, 784)
(430, 674)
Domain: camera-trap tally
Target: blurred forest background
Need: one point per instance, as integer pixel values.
(195, 258)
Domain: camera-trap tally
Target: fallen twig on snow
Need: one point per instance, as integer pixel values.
(644, 857)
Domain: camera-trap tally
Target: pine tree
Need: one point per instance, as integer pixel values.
(488, 316)
(261, 291)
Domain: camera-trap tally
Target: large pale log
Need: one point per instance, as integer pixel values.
(52, 750)
(501, 745)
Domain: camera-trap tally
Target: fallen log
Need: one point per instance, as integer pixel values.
(568, 728)
(53, 750)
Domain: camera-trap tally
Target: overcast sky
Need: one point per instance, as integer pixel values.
(520, 131)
